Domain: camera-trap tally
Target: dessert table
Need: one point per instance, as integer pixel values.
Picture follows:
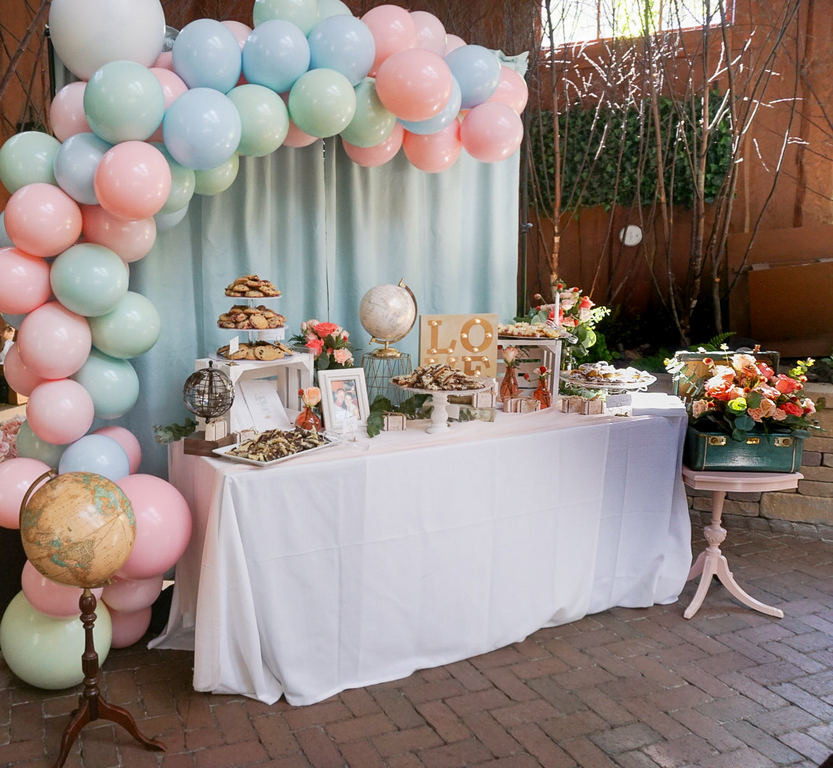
(366, 561)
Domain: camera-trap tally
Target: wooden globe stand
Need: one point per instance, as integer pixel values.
(91, 704)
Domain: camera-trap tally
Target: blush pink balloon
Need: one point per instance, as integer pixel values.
(163, 526)
(452, 43)
(127, 440)
(54, 342)
(66, 113)
(50, 598)
(371, 157)
(60, 412)
(240, 31)
(415, 85)
(512, 90)
(491, 132)
(173, 86)
(296, 138)
(131, 240)
(16, 477)
(129, 628)
(430, 32)
(435, 152)
(129, 595)
(393, 30)
(132, 180)
(17, 375)
(164, 60)
(24, 282)
(42, 219)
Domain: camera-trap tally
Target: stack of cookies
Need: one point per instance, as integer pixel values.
(245, 318)
(251, 287)
(256, 350)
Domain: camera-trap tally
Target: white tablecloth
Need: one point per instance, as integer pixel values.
(346, 568)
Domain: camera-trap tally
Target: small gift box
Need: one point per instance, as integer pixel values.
(592, 406)
(394, 422)
(571, 404)
(521, 405)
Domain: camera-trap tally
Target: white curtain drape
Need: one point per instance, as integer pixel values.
(324, 230)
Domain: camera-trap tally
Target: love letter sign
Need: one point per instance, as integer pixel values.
(467, 342)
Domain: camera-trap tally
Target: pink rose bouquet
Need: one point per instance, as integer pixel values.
(328, 342)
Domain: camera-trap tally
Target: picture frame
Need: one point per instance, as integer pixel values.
(343, 395)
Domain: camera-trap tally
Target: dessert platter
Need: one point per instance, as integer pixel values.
(275, 446)
(263, 351)
(523, 330)
(255, 319)
(603, 375)
(252, 287)
(440, 380)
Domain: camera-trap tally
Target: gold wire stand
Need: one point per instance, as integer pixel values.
(378, 372)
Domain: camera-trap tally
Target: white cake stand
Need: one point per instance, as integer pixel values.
(439, 401)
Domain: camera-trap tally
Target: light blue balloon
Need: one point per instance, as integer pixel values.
(302, 13)
(264, 118)
(27, 158)
(276, 55)
(112, 383)
(5, 240)
(477, 71)
(373, 122)
(75, 165)
(345, 44)
(442, 119)
(322, 102)
(165, 221)
(202, 129)
(30, 446)
(123, 101)
(182, 183)
(207, 55)
(327, 8)
(96, 453)
(89, 279)
(130, 330)
(219, 179)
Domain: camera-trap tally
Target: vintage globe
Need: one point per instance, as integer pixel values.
(208, 392)
(78, 529)
(387, 313)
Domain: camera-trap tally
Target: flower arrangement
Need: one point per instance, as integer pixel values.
(310, 396)
(541, 373)
(741, 394)
(328, 342)
(510, 356)
(8, 437)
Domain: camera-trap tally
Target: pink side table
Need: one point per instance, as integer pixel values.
(712, 562)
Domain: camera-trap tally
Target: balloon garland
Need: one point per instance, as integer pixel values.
(141, 133)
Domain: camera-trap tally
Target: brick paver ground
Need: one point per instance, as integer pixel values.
(626, 688)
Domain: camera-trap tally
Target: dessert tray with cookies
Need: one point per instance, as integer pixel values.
(440, 377)
(252, 287)
(603, 375)
(264, 351)
(275, 446)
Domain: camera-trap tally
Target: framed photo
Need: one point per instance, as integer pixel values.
(343, 398)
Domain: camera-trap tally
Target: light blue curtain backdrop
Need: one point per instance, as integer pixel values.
(324, 230)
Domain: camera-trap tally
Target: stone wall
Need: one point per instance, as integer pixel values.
(808, 510)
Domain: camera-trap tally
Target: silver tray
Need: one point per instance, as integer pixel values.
(224, 453)
(631, 386)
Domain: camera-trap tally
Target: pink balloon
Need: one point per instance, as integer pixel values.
(66, 114)
(54, 342)
(129, 628)
(512, 90)
(240, 31)
(414, 84)
(491, 132)
(129, 595)
(163, 526)
(296, 138)
(132, 180)
(127, 440)
(130, 240)
(60, 412)
(42, 219)
(172, 87)
(164, 60)
(371, 157)
(435, 152)
(24, 282)
(430, 32)
(49, 597)
(452, 43)
(16, 477)
(18, 376)
(393, 30)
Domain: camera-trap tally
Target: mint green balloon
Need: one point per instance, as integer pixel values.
(219, 179)
(264, 117)
(130, 330)
(112, 383)
(89, 279)
(322, 102)
(183, 182)
(46, 652)
(373, 122)
(27, 158)
(302, 13)
(30, 446)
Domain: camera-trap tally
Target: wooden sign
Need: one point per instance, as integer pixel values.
(466, 342)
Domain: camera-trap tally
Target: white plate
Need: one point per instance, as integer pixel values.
(224, 453)
(215, 356)
(442, 391)
(645, 380)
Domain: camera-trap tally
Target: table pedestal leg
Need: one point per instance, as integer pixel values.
(712, 562)
(439, 415)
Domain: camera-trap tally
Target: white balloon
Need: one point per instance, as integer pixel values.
(89, 33)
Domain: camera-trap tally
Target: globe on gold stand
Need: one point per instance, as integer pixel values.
(78, 529)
